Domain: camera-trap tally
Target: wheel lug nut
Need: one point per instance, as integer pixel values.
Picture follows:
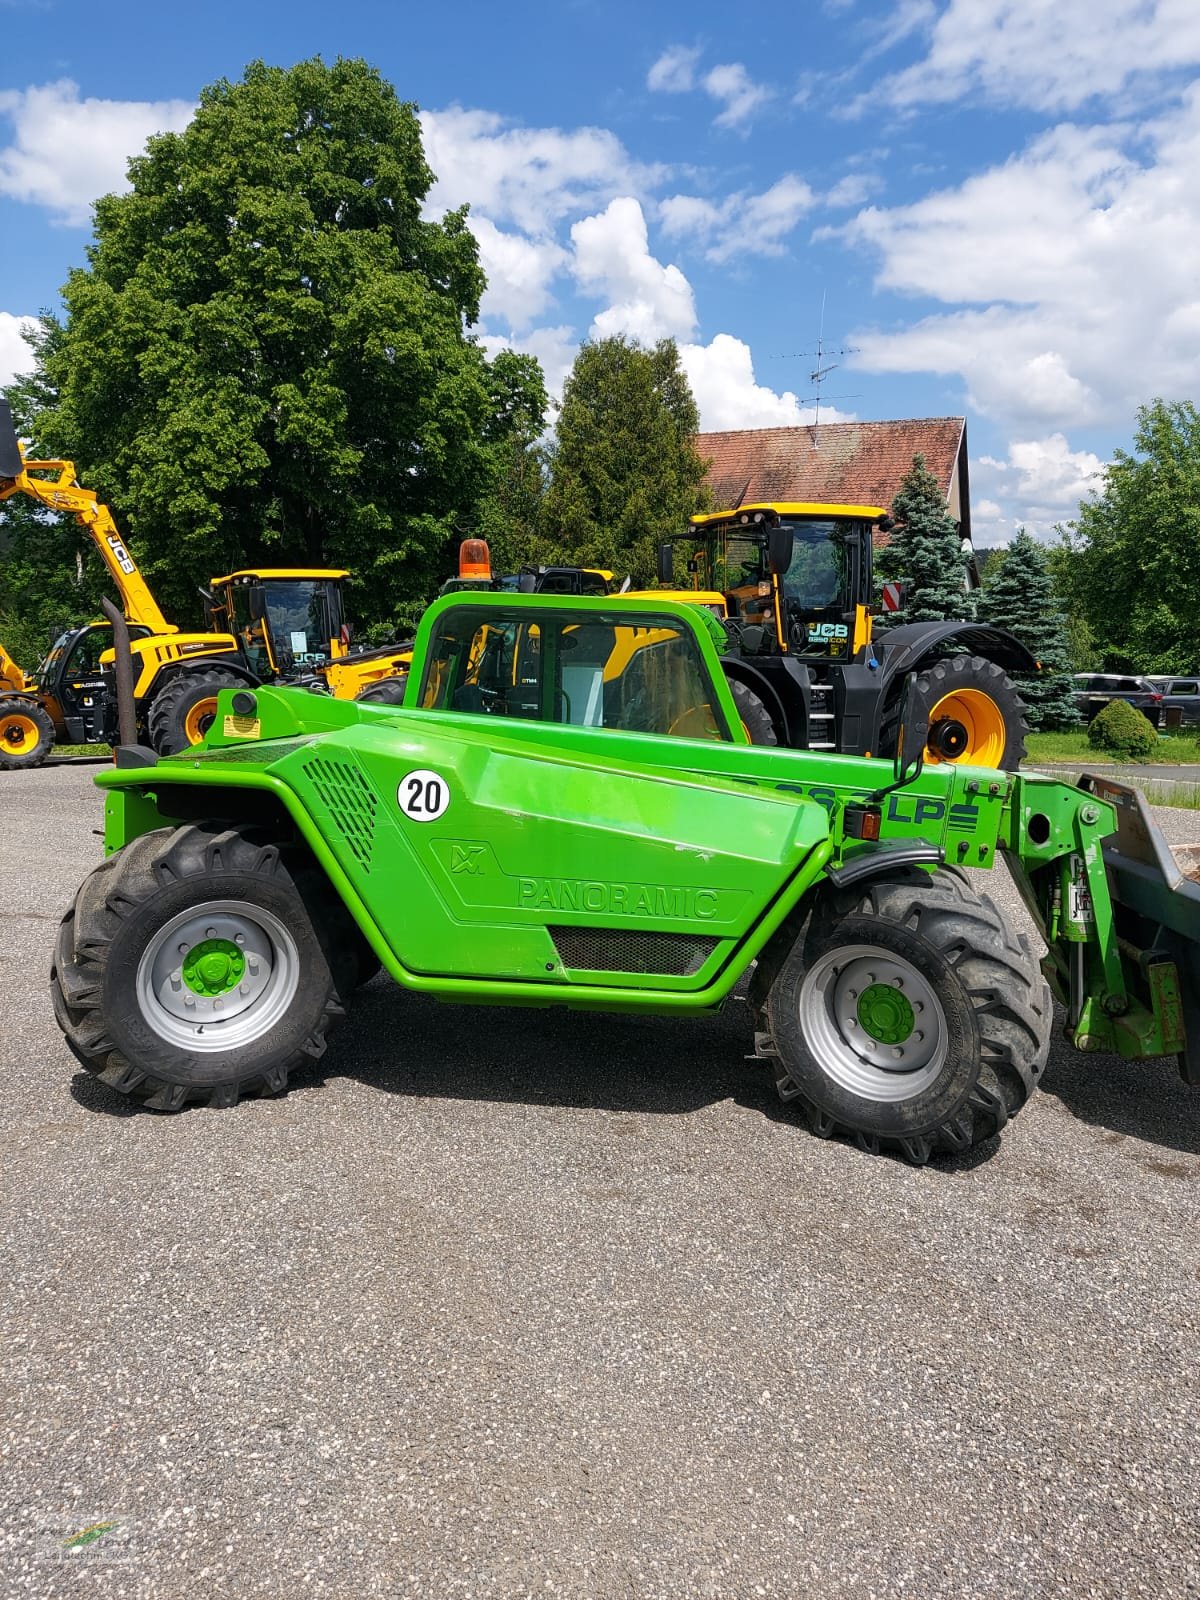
(899, 1054)
(239, 938)
(917, 1037)
(851, 994)
(217, 1005)
(189, 1000)
(244, 988)
(183, 949)
(899, 982)
(176, 981)
(210, 933)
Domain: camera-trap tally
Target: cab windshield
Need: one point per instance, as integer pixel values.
(294, 629)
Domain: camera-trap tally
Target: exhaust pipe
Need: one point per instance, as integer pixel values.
(12, 464)
(126, 716)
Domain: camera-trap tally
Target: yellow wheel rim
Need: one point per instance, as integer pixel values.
(18, 734)
(199, 719)
(983, 721)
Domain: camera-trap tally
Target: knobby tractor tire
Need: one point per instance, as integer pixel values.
(913, 1020)
(973, 712)
(183, 709)
(202, 963)
(756, 719)
(26, 734)
(384, 691)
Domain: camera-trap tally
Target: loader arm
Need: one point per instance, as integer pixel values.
(53, 484)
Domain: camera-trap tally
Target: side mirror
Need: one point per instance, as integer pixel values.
(779, 550)
(257, 602)
(11, 464)
(910, 752)
(527, 581)
(666, 562)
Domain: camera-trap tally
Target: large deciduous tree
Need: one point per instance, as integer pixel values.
(624, 473)
(1130, 564)
(267, 356)
(1019, 595)
(925, 550)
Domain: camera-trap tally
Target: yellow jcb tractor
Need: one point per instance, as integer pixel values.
(804, 665)
(265, 625)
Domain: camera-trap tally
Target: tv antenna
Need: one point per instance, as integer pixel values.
(820, 371)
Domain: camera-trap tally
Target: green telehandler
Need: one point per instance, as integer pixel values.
(566, 812)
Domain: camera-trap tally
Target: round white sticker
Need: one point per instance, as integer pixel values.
(423, 796)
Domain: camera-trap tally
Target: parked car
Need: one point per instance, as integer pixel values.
(1180, 700)
(1094, 690)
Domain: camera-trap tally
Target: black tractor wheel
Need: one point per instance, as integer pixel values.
(913, 1020)
(972, 710)
(182, 711)
(26, 733)
(756, 719)
(200, 963)
(384, 691)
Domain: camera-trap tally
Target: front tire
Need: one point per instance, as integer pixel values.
(197, 964)
(26, 734)
(913, 1020)
(384, 691)
(183, 710)
(756, 719)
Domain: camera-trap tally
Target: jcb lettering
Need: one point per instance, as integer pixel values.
(123, 559)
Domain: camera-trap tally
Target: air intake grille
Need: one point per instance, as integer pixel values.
(674, 955)
(350, 801)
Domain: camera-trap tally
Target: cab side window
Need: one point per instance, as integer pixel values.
(589, 671)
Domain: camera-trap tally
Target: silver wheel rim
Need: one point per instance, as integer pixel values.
(241, 1014)
(886, 1072)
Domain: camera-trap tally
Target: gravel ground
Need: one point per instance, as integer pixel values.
(504, 1304)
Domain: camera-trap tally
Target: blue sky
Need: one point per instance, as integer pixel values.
(994, 205)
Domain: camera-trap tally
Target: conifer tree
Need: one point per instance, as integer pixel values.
(1019, 596)
(925, 551)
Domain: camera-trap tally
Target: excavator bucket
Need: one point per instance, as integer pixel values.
(11, 464)
(1156, 902)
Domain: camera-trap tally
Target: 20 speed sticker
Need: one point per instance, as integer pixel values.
(422, 795)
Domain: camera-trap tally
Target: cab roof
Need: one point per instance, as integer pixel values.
(789, 508)
(254, 573)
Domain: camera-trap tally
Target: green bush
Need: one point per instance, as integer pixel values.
(1122, 731)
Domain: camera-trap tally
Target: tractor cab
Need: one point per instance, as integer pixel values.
(288, 622)
(796, 577)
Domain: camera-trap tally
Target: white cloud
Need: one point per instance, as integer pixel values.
(531, 177)
(16, 358)
(722, 378)
(740, 97)
(647, 301)
(743, 224)
(852, 190)
(675, 70)
(729, 84)
(67, 152)
(1069, 270)
(519, 272)
(1044, 477)
(1050, 58)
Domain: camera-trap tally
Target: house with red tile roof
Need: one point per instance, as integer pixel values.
(840, 463)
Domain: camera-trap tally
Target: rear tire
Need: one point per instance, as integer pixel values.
(183, 709)
(197, 964)
(913, 1020)
(26, 734)
(384, 691)
(973, 695)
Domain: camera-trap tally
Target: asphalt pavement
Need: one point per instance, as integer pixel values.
(505, 1304)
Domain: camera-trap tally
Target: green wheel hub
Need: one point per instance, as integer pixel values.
(885, 1014)
(214, 966)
